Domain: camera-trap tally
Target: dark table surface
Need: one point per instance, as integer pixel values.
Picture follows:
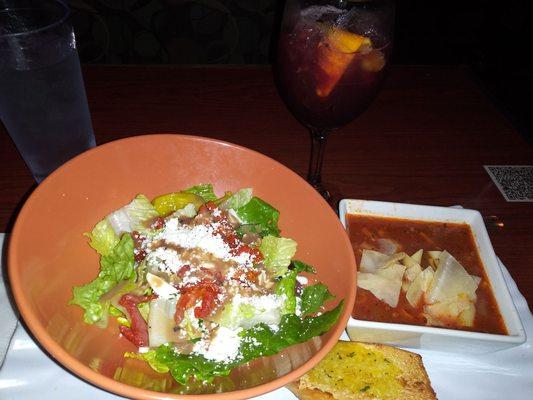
(423, 141)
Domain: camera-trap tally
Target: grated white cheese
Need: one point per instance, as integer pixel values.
(165, 259)
(244, 259)
(197, 236)
(178, 244)
(302, 280)
(189, 279)
(298, 310)
(251, 340)
(200, 237)
(223, 347)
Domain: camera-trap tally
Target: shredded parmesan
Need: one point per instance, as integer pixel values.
(223, 347)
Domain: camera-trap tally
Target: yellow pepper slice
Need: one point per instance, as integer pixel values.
(171, 202)
(222, 199)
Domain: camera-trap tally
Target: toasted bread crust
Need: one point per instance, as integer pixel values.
(413, 379)
(308, 394)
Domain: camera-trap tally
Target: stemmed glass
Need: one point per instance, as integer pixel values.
(332, 57)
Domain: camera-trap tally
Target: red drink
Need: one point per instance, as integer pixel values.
(331, 61)
(330, 65)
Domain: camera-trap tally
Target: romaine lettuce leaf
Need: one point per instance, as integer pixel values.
(185, 366)
(139, 211)
(151, 358)
(249, 311)
(144, 309)
(256, 342)
(237, 200)
(261, 215)
(103, 237)
(277, 253)
(87, 296)
(263, 341)
(132, 216)
(115, 312)
(313, 297)
(114, 268)
(189, 211)
(204, 190)
(233, 314)
(222, 199)
(287, 287)
(119, 264)
(300, 266)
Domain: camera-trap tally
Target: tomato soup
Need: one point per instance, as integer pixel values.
(403, 235)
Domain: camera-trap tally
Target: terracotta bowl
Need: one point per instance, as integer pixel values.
(48, 256)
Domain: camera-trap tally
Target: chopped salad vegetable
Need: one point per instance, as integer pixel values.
(202, 284)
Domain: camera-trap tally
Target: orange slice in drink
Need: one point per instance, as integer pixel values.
(347, 42)
(373, 61)
(335, 54)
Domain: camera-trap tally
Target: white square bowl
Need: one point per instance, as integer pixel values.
(432, 338)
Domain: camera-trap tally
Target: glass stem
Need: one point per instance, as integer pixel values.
(318, 148)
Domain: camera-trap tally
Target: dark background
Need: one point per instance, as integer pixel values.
(493, 39)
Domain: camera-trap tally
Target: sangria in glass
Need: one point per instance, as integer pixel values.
(332, 57)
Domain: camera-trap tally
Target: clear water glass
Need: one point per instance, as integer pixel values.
(43, 104)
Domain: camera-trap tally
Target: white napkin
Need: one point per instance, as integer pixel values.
(7, 315)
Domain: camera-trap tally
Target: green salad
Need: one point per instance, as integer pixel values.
(201, 284)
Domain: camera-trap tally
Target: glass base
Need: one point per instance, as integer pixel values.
(322, 191)
(329, 193)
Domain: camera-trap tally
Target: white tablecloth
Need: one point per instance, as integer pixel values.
(8, 318)
(29, 374)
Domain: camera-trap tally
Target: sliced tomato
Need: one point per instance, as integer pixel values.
(159, 223)
(138, 251)
(185, 301)
(209, 301)
(138, 332)
(254, 253)
(251, 275)
(246, 275)
(183, 270)
(206, 291)
(211, 205)
(231, 239)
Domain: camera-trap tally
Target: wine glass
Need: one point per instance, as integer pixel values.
(332, 57)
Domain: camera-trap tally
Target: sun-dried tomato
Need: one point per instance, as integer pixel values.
(138, 332)
(206, 291)
(251, 275)
(254, 253)
(138, 252)
(183, 270)
(209, 206)
(247, 275)
(159, 223)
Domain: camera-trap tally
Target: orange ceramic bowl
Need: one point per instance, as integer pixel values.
(48, 255)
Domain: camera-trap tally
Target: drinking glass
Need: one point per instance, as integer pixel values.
(42, 97)
(332, 57)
